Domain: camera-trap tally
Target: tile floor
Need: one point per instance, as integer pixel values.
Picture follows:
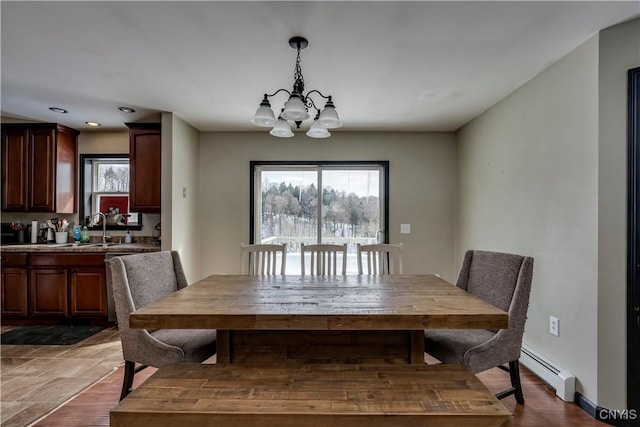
(36, 379)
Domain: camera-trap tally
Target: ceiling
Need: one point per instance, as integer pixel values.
(390, 66)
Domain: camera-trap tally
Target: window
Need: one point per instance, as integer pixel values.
(111, 175)
(323, 202)
(104, 187)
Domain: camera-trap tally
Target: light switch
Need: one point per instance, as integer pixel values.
(405, 228)
(184, 192)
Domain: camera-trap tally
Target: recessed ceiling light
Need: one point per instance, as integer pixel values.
(58, 110)
(93, 124)
(126, 110)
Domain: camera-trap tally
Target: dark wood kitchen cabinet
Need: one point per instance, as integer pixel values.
(87, 286)
(39, 167)
(13, 287)
(48, 292)
(50, 285)
(145, 164)
(84, 283)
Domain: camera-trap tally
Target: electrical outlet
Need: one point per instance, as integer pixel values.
(405, 228)
(554, 326)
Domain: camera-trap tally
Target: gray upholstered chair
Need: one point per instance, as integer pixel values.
(381, 258)
(504, 280)
(263, 260)
(138, 280)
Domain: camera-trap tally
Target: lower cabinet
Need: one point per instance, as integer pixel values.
(48, 292)
(13, 288)
(53, 285)
(14, 291)
(87, 287)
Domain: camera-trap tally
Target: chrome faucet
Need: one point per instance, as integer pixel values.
(104, 226)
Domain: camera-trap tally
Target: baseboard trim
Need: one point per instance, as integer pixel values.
(608, 416)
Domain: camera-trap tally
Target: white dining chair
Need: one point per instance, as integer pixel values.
(324, 259)
(263, 259)
(381, 258)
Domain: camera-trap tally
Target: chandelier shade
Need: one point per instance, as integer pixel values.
(296, 109)
(264, 115)
(282, 129)
(329, 117)
(317, 131)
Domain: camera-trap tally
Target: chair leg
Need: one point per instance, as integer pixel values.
(514, 373)
(127, 382)
(516, 386)
(129, 371)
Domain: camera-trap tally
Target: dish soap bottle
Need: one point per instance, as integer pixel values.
(76, 234)
(127, 237)
(84, 238)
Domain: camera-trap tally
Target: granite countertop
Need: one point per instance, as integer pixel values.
(87, 247)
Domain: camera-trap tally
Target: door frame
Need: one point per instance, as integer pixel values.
(633, 240)
(384, 164)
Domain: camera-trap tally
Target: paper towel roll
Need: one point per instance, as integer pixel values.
(34, 231)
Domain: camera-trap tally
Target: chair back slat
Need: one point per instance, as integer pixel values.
(324, 259)
(263, 259)
(381, 259)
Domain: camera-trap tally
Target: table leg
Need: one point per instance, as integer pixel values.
(223, 346)
(417, 347)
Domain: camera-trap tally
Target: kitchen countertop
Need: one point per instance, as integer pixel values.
(87, 247)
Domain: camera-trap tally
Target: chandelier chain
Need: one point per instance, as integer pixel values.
(298, 84)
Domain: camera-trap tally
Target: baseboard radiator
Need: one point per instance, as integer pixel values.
(563, 381)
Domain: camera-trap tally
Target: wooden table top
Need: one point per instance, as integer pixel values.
(402, 302)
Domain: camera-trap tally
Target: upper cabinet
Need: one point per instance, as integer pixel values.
(145, 164)
(39, 167)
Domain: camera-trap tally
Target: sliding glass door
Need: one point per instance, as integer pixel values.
(325, 202)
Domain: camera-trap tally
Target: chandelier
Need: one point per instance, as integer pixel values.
(296, 109)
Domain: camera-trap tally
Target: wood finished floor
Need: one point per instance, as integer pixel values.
(34, 380)
(91, 407)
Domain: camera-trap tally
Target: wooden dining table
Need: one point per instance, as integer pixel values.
(320, 319)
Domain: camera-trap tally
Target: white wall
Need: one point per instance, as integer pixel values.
(421, 190)
(619, 52)
(180, 211)
(108, 142)
(527, 183)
